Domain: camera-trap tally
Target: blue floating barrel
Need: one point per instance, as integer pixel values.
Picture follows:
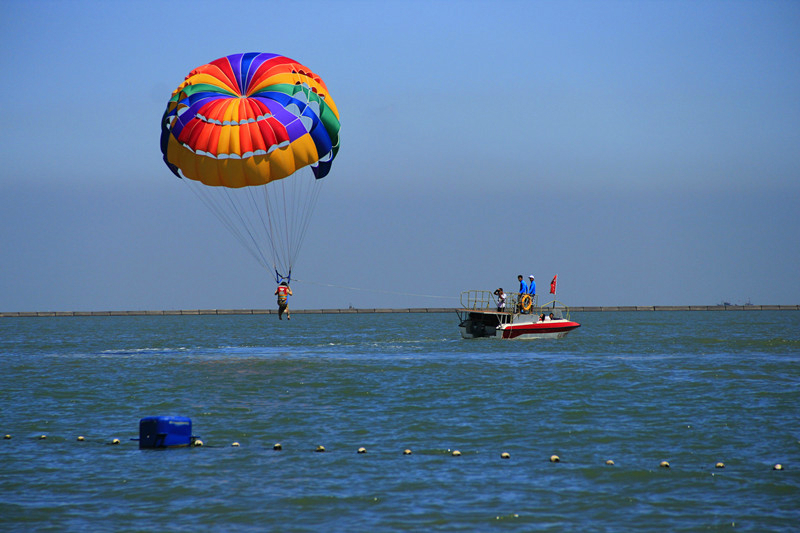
(165, 432)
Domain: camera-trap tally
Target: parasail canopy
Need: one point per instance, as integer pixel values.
(241, 128)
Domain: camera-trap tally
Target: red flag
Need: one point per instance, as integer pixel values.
(553, 285)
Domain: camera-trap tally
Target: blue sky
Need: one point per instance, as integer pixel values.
(646, 152)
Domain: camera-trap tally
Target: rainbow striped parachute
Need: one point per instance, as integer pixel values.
(236, 128)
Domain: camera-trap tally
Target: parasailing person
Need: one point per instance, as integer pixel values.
(283, 292)
(254, 134)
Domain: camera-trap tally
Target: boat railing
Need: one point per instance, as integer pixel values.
(479, 300)
(487, 300)
(558, 309)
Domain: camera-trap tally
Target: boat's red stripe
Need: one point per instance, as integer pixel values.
(515, 331)
(543, 326)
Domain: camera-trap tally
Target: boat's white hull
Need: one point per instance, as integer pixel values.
(477, 324)
(556, 329)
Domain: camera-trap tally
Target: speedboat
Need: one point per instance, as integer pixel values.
(522, 319)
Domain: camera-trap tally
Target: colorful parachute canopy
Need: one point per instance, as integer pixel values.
(249, 119)
(236, 128)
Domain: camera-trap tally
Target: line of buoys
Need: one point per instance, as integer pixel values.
(196, 442)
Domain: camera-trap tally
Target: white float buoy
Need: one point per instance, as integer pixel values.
(81, 438)
(277, 447)
(406, 452)
(609, 462)
(235, 444)
(664, 464)
(362, 450)
(778, 467)
(456, 453)
(719, 465)
(555, 459)
(115, 441)
(320, 448)
(197, 443)
(505, 455)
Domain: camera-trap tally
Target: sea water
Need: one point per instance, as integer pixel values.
(638, 388)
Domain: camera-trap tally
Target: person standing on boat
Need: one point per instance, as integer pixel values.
(523, 290)
(283, 291)
(532, 288)
(501, 300)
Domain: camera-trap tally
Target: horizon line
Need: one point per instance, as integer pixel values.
(372, 310)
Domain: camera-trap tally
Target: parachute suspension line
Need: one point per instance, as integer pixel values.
(277, 214)
(288, 205)
(286, 224)
(247, 216)
(257, 215)
(308, 188)
(212, 197)
(275, 227)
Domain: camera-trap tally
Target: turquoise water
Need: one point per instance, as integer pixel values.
(691, 388)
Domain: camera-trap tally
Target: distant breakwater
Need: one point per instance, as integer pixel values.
(576, 309)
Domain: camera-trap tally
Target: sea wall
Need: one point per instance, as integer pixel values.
(576, 309)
